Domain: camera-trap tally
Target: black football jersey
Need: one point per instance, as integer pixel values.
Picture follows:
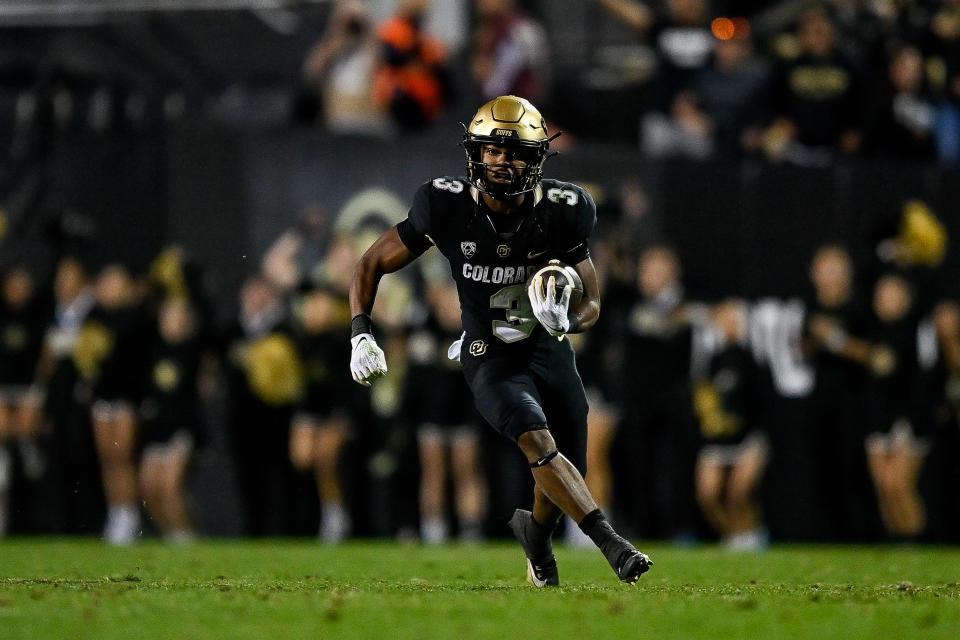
(491, 265)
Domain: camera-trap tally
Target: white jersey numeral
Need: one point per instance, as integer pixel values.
(453, 186)
(565, 195)
(520, 321)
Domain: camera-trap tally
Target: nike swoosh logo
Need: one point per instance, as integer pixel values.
(532, 255)
(532, 576)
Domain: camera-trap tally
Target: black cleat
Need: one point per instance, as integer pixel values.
(541, 563)
(632, 564)
(628, 563)
(543, 575)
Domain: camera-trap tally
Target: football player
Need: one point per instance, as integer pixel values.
(496, 226)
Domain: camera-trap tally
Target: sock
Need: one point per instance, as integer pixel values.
(598, 528)
(123, 524)
(433, 530)
(470, 530)
(542, 536)
(591, 525)
(334, 522)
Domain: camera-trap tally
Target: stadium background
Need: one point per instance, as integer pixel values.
(207, 153)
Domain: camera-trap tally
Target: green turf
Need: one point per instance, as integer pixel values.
(271, 589)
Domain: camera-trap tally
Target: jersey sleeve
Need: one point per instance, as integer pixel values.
(576, 245)
(415, 230)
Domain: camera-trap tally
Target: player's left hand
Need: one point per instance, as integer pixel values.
(550, 312)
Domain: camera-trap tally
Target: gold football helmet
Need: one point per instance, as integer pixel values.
(512, 122)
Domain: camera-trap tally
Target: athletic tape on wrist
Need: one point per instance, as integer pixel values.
(360, 324)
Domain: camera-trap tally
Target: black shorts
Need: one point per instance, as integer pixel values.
(529, 385)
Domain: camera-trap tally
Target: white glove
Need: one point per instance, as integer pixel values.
(367, 361)
(550, 313)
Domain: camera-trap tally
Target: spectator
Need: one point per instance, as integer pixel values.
(900, 124)
(658, 409)
(306, 254)
(437, 402)
(946, 318)
(265, 382)
(74, 465)
(897, 442)
(510, 54)
(323, 423)
(411, 82)
(734, 452)
(717, 110)
(864, 29)
(912, 240)
(942, 408)
(172, 424)
(680, 35)
(816, 97)
(21, 401)
(836, 324)
(106, 354)
(945, 26)
(341, 68)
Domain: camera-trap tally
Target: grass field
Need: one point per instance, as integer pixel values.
(299, 589)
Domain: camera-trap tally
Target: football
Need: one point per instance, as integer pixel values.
(564, 274)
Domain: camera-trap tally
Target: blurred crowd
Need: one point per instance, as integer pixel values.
(794, 81)
(115, 384)
(799, 81)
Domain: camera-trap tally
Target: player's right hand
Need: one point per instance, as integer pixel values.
(367, 362)
(550, 312)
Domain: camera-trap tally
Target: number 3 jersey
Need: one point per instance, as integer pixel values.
(491, 257)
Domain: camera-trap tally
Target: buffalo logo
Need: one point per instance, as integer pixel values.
(477, 348)
(503, 250)
(468, 248)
